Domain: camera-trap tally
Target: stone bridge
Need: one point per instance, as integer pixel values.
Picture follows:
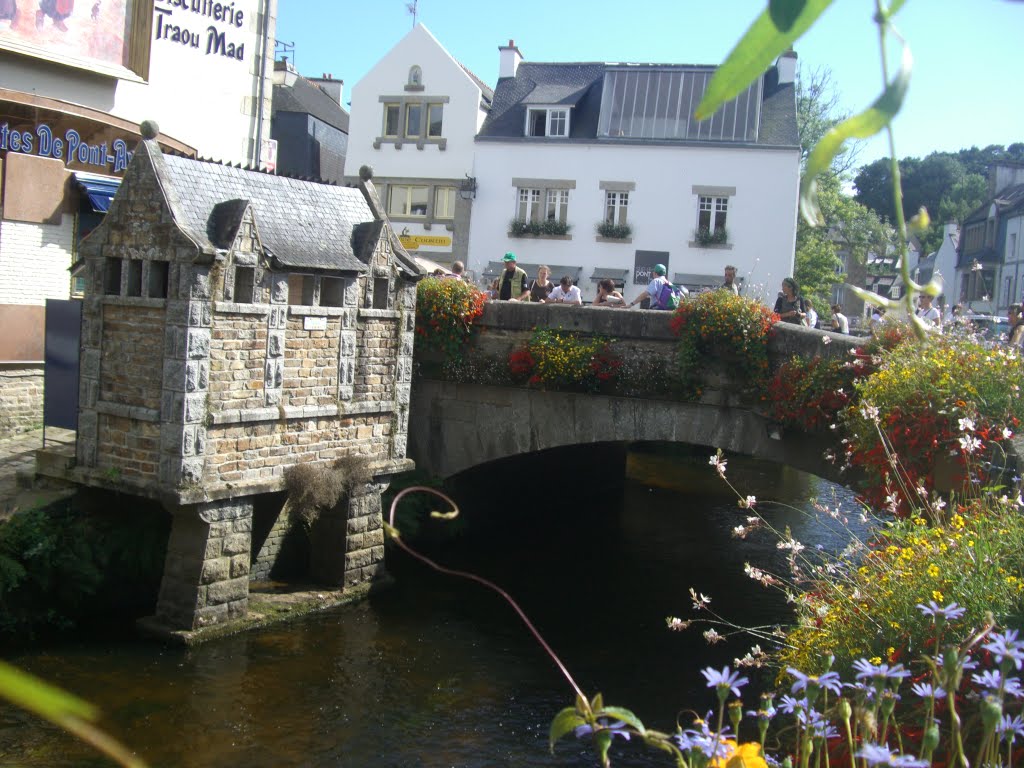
(456, 422)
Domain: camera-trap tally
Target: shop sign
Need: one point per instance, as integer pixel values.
(415, 241)
(70, 148)
(173, 28)
(643, 265)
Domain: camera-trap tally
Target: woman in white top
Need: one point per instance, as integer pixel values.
(565, 293)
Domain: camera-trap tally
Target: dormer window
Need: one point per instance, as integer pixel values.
(548, 121)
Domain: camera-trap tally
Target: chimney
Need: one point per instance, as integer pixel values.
(509, 59)
(330, 86)
(1003, 174)
(786, 65)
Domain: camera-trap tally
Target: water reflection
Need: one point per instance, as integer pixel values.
(436, 672)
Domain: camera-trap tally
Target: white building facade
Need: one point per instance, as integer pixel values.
(414, 117)
(600, 171)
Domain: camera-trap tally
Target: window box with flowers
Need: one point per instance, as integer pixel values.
(710, 238)
(549, 228)
(614, 233)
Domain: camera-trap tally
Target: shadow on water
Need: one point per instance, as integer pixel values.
(440, 672)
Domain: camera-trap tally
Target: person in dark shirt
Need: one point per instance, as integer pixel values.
(513, 280)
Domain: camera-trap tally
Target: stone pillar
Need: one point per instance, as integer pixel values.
(206, 572)
(347, 542)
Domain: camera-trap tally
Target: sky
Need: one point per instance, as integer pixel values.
(965, 89)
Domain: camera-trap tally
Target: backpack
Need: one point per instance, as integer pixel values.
(669, 296)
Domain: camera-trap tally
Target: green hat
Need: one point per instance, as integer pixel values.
(509, 256)
(659, 269)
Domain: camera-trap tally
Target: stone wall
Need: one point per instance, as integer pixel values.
(21, 398)
(128, 448)
(377, 357)
(238, 350)
(131, 355)
(311, 363)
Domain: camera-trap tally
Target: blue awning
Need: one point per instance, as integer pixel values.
(99, 189)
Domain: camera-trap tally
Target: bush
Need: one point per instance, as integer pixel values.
(61, 568)
(445, 312)
(733, 329)
(810, 394)
(614, 231)
(947, 401)
(565, 361)
(520, 227)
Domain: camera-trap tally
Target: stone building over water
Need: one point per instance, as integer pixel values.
(236, 324)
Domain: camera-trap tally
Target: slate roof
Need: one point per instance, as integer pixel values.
(301, 223)
(1009, 200)
(580, 85)
(305, 97)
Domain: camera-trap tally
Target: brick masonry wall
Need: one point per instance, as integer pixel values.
(311, 363)
(238, 351)
(34, 261)
(21, 399)
(128, 448)
(131, 359)
(377, 357)
(245, 452)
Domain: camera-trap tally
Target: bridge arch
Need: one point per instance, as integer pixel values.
(456, 426)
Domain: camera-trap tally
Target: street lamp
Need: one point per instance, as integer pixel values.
(467, 187)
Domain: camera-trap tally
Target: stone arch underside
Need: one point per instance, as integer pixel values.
(453, 427)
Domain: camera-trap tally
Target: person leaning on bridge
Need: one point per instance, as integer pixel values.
(840, 322)
(458, 271)
(654, 287)
(565, 293)
(512, 285)
(730, 280)
(790, 305)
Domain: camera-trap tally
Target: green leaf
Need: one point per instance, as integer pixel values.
(597, 704)
(757, 49)
(861, 126)
(603, 739)
(785, 12)
(624, 715)
(45, 700)
(564, 722)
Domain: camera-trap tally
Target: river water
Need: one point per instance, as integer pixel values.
(439, 672)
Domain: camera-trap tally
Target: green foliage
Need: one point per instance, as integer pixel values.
(614, 231)
(520, 227)
(721, 325)
(706, 236)
(867, 607)
(771, 34)
(445, 311)
(566, 361)
(60, 568)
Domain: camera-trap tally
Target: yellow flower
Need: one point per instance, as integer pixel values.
(933, 570)
(937, 596)
(747, 756)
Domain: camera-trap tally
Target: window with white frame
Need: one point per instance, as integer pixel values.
(444, 203)
(547, 122)
(712, 213)
(557, 205)
(529, 205)
(408, 200)
(616, 205)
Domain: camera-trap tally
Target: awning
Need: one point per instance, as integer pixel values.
(602, 273)
(99, 189)
(696, 283)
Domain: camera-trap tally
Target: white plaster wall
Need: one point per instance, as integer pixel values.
(34, 261)
(662, 209)
(442, 76)
(1013, 259)
(945, 265)
(203, 99)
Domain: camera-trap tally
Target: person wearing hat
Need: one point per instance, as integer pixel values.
(653, 287)
(513, 283)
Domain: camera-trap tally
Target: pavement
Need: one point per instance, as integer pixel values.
(18, 491)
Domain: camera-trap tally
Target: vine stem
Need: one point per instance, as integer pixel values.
(473, 577)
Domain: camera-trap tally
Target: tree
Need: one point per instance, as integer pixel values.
(817, 112)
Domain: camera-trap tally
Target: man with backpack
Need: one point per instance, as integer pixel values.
(663, 294)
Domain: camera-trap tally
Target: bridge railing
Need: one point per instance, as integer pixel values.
(642, 340)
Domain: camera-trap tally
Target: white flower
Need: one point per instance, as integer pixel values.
(969, 444)
(869, 412)
(747, 503)
(966, 425)
(739, 532)
(938, 504)
(713, 637)
(718, 463)
(1007, 434)
(826, 340)
(698, 601)
(676, 624)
